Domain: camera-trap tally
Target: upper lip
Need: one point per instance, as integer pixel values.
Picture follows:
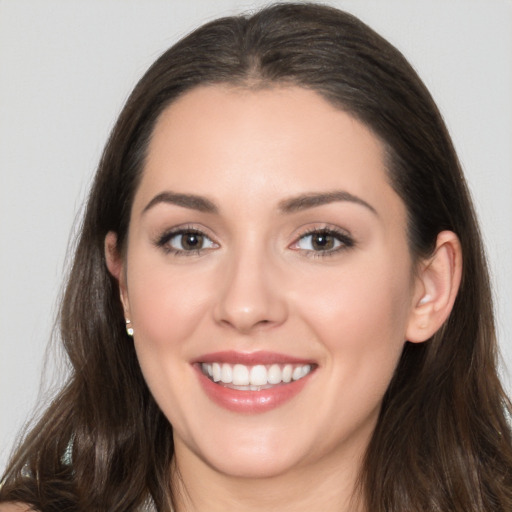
(250, 358)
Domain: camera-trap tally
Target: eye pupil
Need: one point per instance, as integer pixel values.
(322, 241)
(192, 241)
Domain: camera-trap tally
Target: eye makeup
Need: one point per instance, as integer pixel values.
(185, 241)
(323, 241)
(314, 242)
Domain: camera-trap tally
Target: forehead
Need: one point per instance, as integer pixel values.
(273, 142)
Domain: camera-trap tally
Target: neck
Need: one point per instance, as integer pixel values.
(330, 486)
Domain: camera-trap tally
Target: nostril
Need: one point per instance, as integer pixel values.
(249, 298)
(246, 325)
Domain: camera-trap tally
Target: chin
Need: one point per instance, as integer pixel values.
(254, 466)
(243, 452)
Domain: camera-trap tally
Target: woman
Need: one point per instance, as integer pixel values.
(279, 298)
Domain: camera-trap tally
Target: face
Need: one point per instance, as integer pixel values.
(267, 278)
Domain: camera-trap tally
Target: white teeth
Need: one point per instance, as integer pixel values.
(216, 372)
(226, 374)
(253, 377)
(240, 375)
(287, 373)
(301, 371)
(297, 373)
(258, 375)
(274, 374)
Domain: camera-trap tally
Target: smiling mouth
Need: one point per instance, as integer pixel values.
(255, 377)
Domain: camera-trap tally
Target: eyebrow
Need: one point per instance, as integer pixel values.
(291, 205)
(191, 201)
(305, 201)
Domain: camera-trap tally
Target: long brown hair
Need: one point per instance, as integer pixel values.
(442, 442)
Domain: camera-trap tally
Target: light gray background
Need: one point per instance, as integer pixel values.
(66, 68)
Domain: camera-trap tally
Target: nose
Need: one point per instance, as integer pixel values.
(251, 295)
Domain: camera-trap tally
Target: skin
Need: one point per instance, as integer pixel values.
(259, 284)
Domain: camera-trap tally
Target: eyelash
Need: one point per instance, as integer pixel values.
(345, 242)
(344, 239)
(163, 241)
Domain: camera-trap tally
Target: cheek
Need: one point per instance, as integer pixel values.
(167, 304)
(359, 318)
(360, 315)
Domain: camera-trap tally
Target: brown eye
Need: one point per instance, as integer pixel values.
(324, 240)
(189, 241)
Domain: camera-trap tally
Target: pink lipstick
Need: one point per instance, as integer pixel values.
(252, 382)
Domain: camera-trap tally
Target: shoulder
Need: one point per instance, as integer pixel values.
(15, 507)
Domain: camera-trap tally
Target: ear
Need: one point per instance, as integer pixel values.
(436, 287)
(115, 265)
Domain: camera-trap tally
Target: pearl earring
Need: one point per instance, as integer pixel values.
(129, 328)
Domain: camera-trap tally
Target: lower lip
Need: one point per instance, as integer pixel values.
(252, 402)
